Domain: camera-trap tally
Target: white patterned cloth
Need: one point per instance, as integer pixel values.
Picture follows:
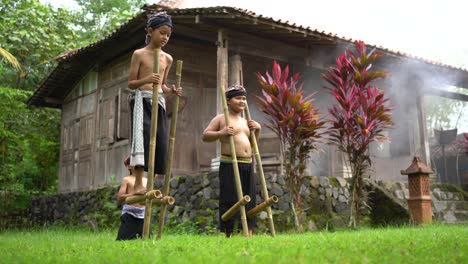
(161, 99)
(137, 150)
(137, 212)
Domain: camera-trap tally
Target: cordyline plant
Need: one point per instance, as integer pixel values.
(295, 120)
(358, 118)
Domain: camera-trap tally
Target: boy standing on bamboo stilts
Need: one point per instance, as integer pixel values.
(240, 129)
(141, 80)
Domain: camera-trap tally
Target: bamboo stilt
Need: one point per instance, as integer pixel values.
(257, 209)
(154, 194)
(240, 196)
(166, 200)
(152, 150)
(258, 160)
(233, 210)
(170, 150)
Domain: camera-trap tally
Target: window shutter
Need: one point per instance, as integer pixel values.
(123, 116)
(110, 111)
(106, 120)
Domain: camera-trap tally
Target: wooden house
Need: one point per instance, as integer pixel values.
(89, 84)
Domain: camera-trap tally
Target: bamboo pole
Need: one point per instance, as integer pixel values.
(152, 150)
(257, 209)
(258, 160)
(170, 151)
(153, 194)
(236, 207)
(240, 196)
(166, 200)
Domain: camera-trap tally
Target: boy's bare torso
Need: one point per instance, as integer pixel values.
(146, 60)
(241, 136)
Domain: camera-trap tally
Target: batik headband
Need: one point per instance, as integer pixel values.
(235, 90)
(157, 20)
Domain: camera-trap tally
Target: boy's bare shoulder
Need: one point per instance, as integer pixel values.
(139, 52)
(219, 117)
(168, 56)
(127, 178)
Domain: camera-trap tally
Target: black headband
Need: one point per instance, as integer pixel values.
(235, 90)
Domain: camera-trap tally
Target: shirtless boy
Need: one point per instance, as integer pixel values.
(240, 130)
(131, 220)
(141, 80)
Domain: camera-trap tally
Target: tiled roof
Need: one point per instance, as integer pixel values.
(74, 64)
(305, 30)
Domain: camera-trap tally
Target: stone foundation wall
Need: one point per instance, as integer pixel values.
(449, 202)
(324, 203)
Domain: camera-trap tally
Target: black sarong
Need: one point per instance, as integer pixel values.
(130, 227)
(228, 193)
(161, 136)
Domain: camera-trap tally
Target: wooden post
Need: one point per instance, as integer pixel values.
(417, 84)
(235, 70)
(152, 150)
(258, 159)
(240, 196)
(222, 74)
(170, 150)
(424, 139)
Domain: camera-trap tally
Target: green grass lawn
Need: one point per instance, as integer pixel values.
(432, 244)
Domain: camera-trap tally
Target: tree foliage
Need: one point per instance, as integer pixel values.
(35, 33)
(29, 143)
(98, 18)
(8, 57)
(444, 113)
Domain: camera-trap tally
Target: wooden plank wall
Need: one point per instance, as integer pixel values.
(96, 127)
(77, 134)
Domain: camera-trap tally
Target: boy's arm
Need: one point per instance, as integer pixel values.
(255, 125)
(122, 191)
(164, 87)
(133, 81)
(212, 132)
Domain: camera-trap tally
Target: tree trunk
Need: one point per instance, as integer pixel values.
(356, 192)
(294, 212)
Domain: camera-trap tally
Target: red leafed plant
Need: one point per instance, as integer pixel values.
(359, 116)
(292, 116)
